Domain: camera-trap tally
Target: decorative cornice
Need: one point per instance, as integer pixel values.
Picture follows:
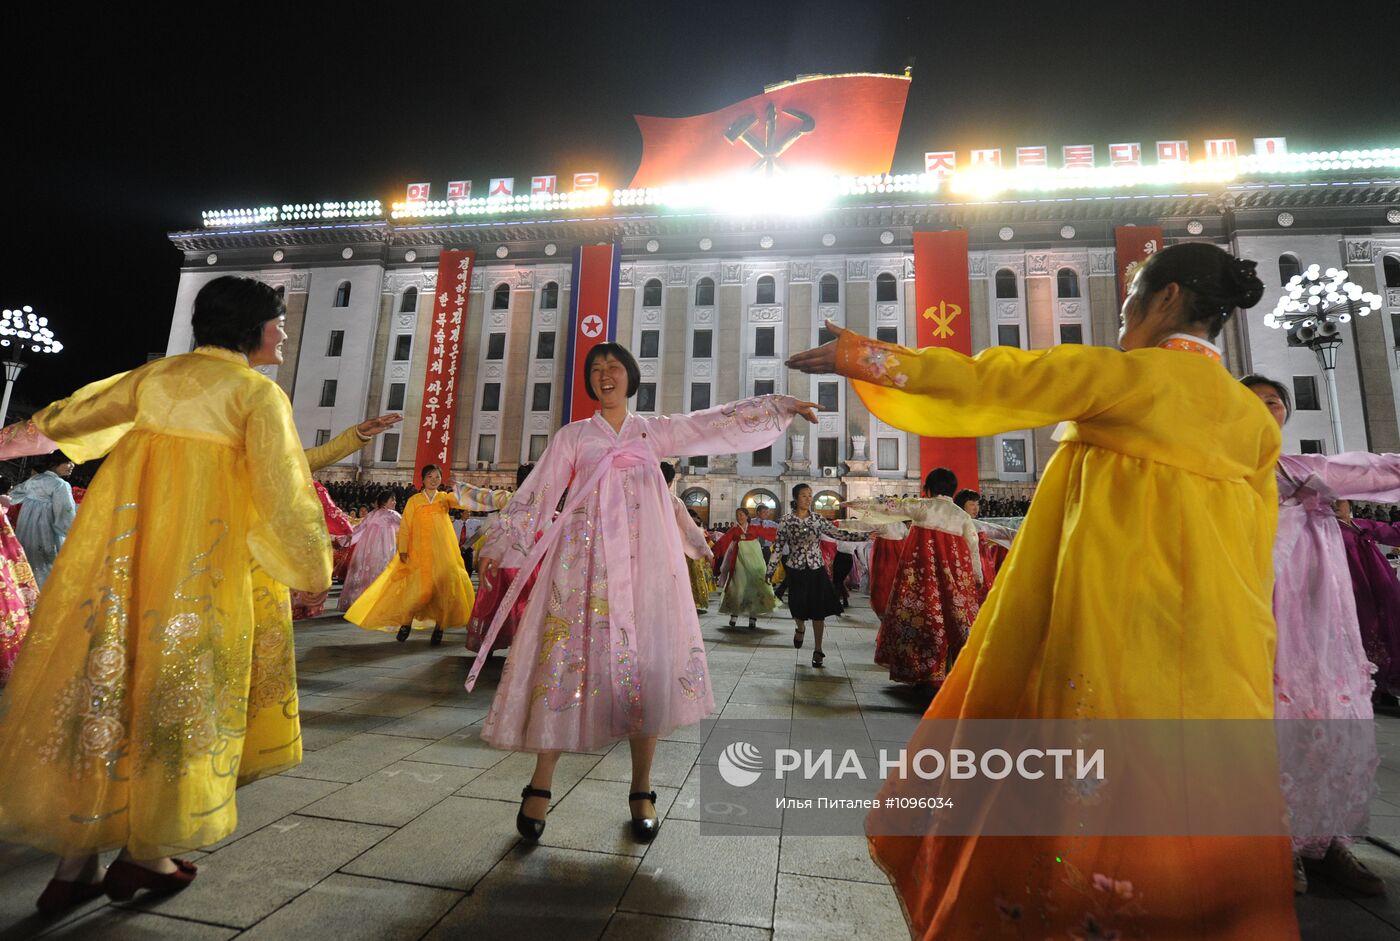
(888, 211)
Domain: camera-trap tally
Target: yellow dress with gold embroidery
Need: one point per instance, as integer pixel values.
(1139, 587)
(431, 589)
(127, 721)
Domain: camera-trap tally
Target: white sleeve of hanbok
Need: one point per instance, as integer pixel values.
(745, 425)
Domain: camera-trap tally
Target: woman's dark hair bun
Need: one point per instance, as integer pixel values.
(1243, 282)
(1218, 282)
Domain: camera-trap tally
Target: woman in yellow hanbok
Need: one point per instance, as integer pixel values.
(427, 585)
(126, 721)
(1139, 587)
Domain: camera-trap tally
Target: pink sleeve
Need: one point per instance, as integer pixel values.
(24, 439)
(1355, 475)
(745, 425)
(692, 536)
(512, 536)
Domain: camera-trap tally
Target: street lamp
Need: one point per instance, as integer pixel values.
(21, 330)
(1313, 304)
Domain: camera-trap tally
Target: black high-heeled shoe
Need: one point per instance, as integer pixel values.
(644, 828)
(436, 638)
(404, 632)
(817, 658)
(528, 827)
(798, 636)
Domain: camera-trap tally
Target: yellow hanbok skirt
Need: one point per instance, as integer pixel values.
(431, 589)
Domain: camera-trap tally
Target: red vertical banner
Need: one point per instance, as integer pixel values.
(1132, 244)
(943, 299)
(436, 431)
(592, 320)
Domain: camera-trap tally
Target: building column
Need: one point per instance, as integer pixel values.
(1373, 356)
(675, 346)
(1103, 309)
(291, 349)
(1040, 323)
(379, 362)
(516, 385)
(979, 312)
(729, 383)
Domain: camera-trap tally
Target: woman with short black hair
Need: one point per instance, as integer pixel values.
(134, 709)
(810, 594)
(609, 646)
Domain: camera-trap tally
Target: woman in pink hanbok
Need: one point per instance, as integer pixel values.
(306, 604)
(375, 541)
(18, 594)
(1321, 671)
(609, 646)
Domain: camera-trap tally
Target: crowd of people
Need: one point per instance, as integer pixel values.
(157, 673)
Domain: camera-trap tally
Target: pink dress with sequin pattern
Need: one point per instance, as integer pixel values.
(609, 645)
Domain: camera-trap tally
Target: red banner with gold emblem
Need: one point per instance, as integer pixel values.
(1132, 244)
(943, 298)
(436, 431)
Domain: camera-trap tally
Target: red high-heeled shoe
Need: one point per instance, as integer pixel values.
(125, 879)
(60, 895)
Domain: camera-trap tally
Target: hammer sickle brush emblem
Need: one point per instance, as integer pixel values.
(771, 145)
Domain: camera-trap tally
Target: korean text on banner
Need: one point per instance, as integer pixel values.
(592, 320)
(1132, 245)
(943, 299)
(436, 431)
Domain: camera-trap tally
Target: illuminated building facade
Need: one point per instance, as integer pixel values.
(719, 282)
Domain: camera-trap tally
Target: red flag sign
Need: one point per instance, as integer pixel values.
(1132, 244)
(944, 301)
(436, 431)
(825, 123)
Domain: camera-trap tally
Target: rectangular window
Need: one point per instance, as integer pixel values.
(396, 391)
(1395, 328)
(1013, 455)
(1311, 446)
(486, 448)
(651, 344)
(1009, 334)
(539, 398)
(1305, 395)
(337, 341)
(491, 397)
(322, 436)
(763, 341)
(699, 396)
(389, 450)
(403, 346)
(544, 345)
(328, 393)
(1071, 333)
(824, 336)
(646, 397)
(763, 387)
(496, 346)
(537, 445)
(700, 346)
(828, 395)
(887, 334)
(826, 452)
(700, 461)
(763, 458)
(887, 453)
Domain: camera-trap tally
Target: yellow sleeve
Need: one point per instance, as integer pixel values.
(341, 446)
(410, 510)
(941, 393)
(91, 421)
(288, 535)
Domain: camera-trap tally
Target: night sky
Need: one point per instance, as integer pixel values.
(125, 128)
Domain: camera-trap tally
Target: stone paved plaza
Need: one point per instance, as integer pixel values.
(400, 822)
